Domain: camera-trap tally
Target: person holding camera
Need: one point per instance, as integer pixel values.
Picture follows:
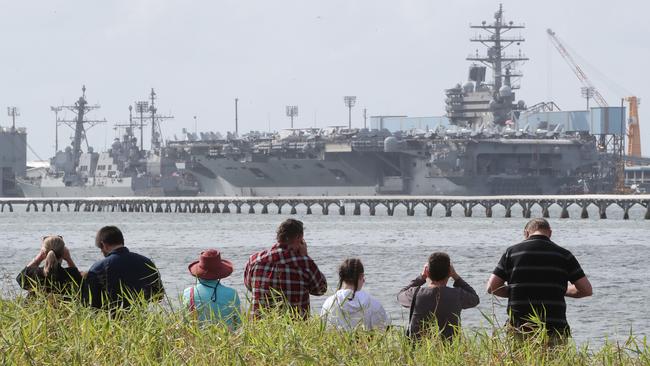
(436, 307)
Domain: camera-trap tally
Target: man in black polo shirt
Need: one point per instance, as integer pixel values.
(122, 276)
(535, 275)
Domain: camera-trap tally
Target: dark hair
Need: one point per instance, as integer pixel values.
(439, 265)
(110, 235)
(288, 230)
(537, 224)
(350, 271)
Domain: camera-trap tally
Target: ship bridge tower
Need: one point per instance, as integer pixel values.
(81, 108)
(503, 65)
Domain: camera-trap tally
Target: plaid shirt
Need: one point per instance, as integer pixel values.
(279, 272)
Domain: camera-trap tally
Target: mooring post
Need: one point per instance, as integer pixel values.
(602, 209)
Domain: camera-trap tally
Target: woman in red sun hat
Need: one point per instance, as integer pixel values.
(208, 299)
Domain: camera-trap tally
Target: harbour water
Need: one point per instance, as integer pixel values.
(614, 253)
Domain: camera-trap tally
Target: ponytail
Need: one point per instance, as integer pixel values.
(51, 262)
(351, 271)
(55, 246)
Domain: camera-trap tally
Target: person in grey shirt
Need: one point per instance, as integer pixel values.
(436, 303)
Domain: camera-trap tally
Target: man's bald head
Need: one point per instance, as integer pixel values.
(537, 227)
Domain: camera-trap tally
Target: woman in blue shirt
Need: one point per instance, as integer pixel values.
(210, 300)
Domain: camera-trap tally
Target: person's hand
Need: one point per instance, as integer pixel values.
(452, 272)
(425, 272)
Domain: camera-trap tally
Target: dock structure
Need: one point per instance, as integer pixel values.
(335, 204)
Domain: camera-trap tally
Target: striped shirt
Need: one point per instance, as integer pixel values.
(280, 276)
(537, 272)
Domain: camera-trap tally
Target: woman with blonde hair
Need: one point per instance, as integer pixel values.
(52, 277)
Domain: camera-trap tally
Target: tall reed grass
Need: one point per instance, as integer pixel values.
(41, 331)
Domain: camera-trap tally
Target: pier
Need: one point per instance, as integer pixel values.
(339, 205)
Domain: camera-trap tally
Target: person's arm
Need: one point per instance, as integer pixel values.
(40, 257)
(91, 289)
(247, 276)
(405, 295)
(68, 258)
(579, 289)
(468, 297)
(317, 283)
(579, 284)
(497, 286)
(378, 317)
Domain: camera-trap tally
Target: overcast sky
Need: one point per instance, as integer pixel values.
(397, 57)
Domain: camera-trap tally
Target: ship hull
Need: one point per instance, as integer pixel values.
(34, 191)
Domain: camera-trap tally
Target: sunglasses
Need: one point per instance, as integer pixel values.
(49, 236)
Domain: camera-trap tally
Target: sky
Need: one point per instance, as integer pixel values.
(397, 57)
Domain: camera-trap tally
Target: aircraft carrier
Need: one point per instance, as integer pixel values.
(490, 144)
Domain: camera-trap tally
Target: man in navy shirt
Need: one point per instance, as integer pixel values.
(122, 277)
(536, 275)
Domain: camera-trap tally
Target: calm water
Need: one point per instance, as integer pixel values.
(614, 253)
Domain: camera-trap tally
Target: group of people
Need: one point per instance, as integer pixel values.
(535, 275)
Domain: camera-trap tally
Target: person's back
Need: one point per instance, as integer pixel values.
(437, 303)
(122, 277)
(213, 302)
(53, 278)
(537, 272)
(209, 300)
(284, 274)
(351, 307)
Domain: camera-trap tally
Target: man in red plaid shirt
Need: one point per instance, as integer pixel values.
(284, 274)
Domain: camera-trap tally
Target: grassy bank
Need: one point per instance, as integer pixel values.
(37, 332)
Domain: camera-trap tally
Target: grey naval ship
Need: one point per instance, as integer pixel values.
(126, 169)
(488, 143)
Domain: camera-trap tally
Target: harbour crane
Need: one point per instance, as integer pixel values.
(633, 131)
(588, 85)
(590, 91)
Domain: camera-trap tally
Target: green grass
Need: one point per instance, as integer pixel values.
(39, 331)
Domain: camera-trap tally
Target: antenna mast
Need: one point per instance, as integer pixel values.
(501, 64)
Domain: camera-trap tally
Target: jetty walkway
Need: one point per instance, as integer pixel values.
(335, 204)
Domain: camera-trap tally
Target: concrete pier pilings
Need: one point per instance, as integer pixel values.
(371, 205)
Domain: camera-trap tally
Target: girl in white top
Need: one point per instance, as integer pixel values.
(350, 307)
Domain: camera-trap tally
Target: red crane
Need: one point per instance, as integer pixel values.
(576, 68)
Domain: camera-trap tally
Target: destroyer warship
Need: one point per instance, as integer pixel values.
(490, 144)
(126, 169)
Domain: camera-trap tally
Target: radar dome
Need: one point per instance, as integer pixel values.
(505, 91)
(391, 144)
(468, 87)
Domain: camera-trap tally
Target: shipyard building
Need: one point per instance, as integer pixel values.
(13, 159)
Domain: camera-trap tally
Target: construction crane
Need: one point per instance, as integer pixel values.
(633, 131)
(588, 86)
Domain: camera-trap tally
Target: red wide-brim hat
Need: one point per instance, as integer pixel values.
(211, 266)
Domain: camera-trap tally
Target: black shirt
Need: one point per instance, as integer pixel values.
(119, 278)
(62, 281)
(537, 271)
